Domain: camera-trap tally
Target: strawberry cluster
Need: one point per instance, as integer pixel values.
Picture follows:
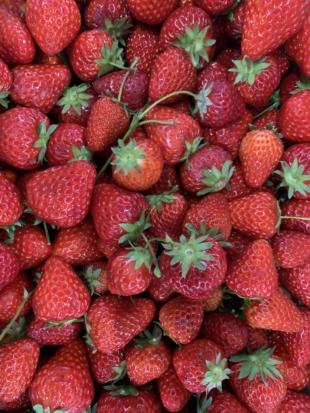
(154, 206)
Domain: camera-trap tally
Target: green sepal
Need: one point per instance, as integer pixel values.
(91, 409)
(81, 154)
(293, 177)
(247, 301)
(90, 278)
(202, 407)
(134, 231)
(10, 229)
(17, 331)
(216, 180)
(147, 338)
(202, 101)
(247, 69)
(127, 156)
(38, 408)
(191, 148)
(216, 374)
(63, 323)
(87, 336)
(269, 127)
(121, 390)
(111, 58)
(160, 199)
(118, 29)
(3, 98)
(302, 85)
(140, 256)
(188, 252)
(44, 136)
(202, 230)
(120, 371)
(258, 362)
(28, 210)
(193, 42)
(76, 98)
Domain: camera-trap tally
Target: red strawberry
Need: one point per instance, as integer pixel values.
(107, 122)
(296, 208)
(173, 394)
(53, 25)
(277, 312)
(9, 265)
(105, 366)
(214, 71)
(16, 7)
(16, 43)
(237, 243)
(11, 206)
(13, 382)
(293, 83)
(5, 84)
(282, 60)
(151, 13)
(64, 381)
(227, 57)
(257, 337)
(214, 8)
(60, 294)
(159, 288)
(234, 22)
(61, 195)
(20, 404)
(259, 36)
(126, 319)
(98, 273)
(97, 11)
(77, 245)
(270, 117)
(168, 180)
(290, 248)
(295, 403)
(223, 402)
(181, 318)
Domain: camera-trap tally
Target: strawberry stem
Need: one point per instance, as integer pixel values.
(46, 233)
(135, 61)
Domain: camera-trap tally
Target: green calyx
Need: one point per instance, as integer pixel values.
(191, 148)
(3, 98)
(194, 44)
(202, 230)
(88, 339)
(111, 58)
(38, 408)
(258, 362)
(188, 252)
(202, 100)
(81, 154)
(90, 278)
(216, 180)
(17, 331)
(293, 177)
(216, 374)
(201, 407)
(303, 84)
(63, 323)
(121, 390)
(10, 229)
(118, 29)
(91, 409)
(147, 338)
(140, 256)
(127, 156)
(160, 199)
(76, 98)
(44, 136)
(120, 371)
(247, 69)
(134, 231)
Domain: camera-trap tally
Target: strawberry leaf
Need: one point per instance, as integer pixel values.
(117, 29)
(44, 136)
(134, 231)
(3, 101)
(247, 69)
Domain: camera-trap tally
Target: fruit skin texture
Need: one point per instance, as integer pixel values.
(152, 12)
(53, 24)
(214, 8)
(64, 381)
(101, 364)
(96, 11)
(60, 294)
(124, 318)
(295, 403)
(11, 206)
(296, 208)
(290, 248)
(61, 195)
(259, 36)
(225, 402)
(18, 361)
(9, 265)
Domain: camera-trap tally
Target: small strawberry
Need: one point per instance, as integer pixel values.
(292, 84)
(290, 248)
(234, 22)
(237, 243)
(9, 265)
(213, 302)
(64, 381)
(282, 59)
(159, 288)
(227, 56)
(19, 404)
(151, 13)
(222, 402)
(16, 7)
(268, 120)
(169, 179)
(105, 367)
(257, 337)
(53, 25)
(295, 403)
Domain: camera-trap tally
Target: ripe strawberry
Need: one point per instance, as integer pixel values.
(259, 36)
(234, 22)
(64, 381)
(196, 363)
(227, 56)
(5, 84)
(77, 245)
(295, 403)
(296, 208)
(277, 312)
(61, 195)
(60, 294)
(169, 179)
(13, 295)
(282, 60)
(105, 366)
(144, 44)
(270, 117)
(54, 25)
(173, 394)
(159, 288)
(290, 248)
(181, 318)
(107, 122)
(19, 404)
(9, 265)
(257, 337)
(293, 83)
(214, 71)
(213, 302)
(53, 335)
(126, 319)
(236, 244)
(151, 13)
(222, 402)
(15, 7)
(297, 281)
(97, 270)
(24, 354)
(255, 215)
(97, 11)
(214, 8)
(11, 206)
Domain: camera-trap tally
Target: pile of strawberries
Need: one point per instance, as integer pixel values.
(154, 206)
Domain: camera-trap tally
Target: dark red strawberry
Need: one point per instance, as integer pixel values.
(11, 206)
(98, 11)
(296, 208)
(9, 265)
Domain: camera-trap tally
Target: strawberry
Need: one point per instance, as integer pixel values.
(138, 164)
(58, 286)
(97, 11)
(72, 391)
(282, 60)
(159, 288)
(5, 84)
(181, 318)
(9, 265)
(151, 13)
(77, 245)
(128, 399)
(11, 206)
(126, 319)
(107, 122)
(213, 302)
(173, 394)
(293, 83)
(53, 335)
(258, 380)
(270, 117)
(215, 8)
(290, 248)
(294, 403)
(67, 143)
(104, 367)
(172, 71)
(147, 357)
(61, 195)
(297, 281)
(169, 179)
(277, 312)
(255, 215)
(54, 25)
(296, 208)
(257, 337)
(16, 7)
(144, 44)
(227, 56)
(196, 364)
(191, 29)
(198, 265)
(13, 295)
(171, 138)
(222, 402)
(237, 243)
(98, 276)
(214, 71)
(237, 186)
(16, 43)
(24, 353)
(234, 22)
(259, 36)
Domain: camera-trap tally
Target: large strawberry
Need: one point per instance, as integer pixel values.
(53, 25)
(14, 381)
(153, 12)
(9, 265)
(64, 382)
(61, 195)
